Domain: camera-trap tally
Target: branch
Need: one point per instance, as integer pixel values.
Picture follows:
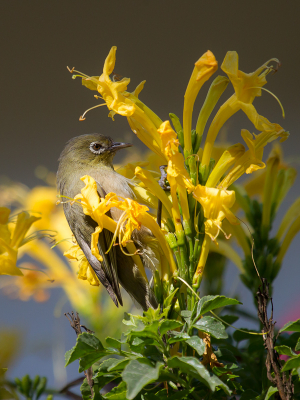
(282, 381)
(75, 324)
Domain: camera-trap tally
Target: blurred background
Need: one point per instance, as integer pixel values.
(158, 41)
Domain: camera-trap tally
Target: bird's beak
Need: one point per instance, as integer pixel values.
(118, 146)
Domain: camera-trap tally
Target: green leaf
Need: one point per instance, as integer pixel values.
(212, 326)
(297, 348)
(178, 337)
(138, 374)
(270, 392)
(148, 331)
(209, 303)
(112, 342)
(187, 316)
(85, 390)
(293, 326)
(285, 350)
(119, 365)
(169, 325)
(117, 393)
(196, 343)
(86, 344)
(291, 363)
(169, 299)
(193, 368)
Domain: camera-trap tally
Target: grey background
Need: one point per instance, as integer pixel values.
(158, 41)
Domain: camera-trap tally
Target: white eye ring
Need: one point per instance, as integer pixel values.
(96, 148)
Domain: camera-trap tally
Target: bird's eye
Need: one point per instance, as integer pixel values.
(95, 147)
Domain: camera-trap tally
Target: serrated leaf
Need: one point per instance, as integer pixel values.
(103, 380)
(297, 348)
(293, 326)
(287, 351)
(187, 316)
(169, 325)
(291, 363)
(148, 331)
(119, 365)
(138, 374)
(193, 368)
(103, 367)
(270, 392)
(117, 393)
(196, 343)
(87, 361)
(212, 326)
(209, 303)
(86, 344)
(112, 342)
(178, 337)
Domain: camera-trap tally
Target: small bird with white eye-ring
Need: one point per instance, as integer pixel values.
(92, 155)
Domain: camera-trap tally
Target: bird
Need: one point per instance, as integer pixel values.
(92, 154)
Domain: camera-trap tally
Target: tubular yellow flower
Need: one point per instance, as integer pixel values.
(176, 168)
(143, 134)
(203, 70)
(247, 87)
(151, 184)
(12, 236)
(227, 159)
(216, 204)
(119, 101)
(251, 160)
(85, 271)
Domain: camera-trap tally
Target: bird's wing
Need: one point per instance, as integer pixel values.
(109, 263)
(97, 266)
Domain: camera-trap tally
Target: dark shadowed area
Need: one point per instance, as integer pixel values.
(158, 41)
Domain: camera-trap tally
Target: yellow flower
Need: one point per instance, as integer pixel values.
(247, 87)
(177, 174)
(176, 168)
(141, 119)
(151, 184)
(12, 236)
(204, 68)
(251, 160)
(85, 271)
(216, 204)
(94, 205)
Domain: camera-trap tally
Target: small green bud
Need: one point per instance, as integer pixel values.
(36, 381)
(41, 387)
(26, 385)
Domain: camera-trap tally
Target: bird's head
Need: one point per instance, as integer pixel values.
(91, 149)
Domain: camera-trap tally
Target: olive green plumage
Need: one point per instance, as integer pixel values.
(92, 155)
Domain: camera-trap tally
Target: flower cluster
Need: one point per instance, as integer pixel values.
(194, 197)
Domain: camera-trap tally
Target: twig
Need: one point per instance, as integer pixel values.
(282, 380)
(75, 324)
